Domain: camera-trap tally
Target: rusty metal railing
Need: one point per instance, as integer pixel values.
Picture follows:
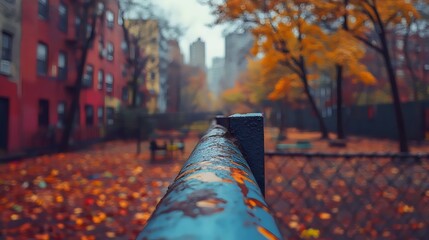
(217, 194)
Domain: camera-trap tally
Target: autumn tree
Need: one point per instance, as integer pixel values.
(414, 33)
(344, 52)
(371, 23)
(194, 94)
(285, 34)
(250, 89)
(89, 13)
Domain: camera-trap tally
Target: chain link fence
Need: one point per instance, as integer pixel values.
(349, 196)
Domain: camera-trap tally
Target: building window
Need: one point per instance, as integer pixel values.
(89, 115)
(110, 51)
(62, 11)
(120, 21)
(6, 53)
(100, 115)
(110, 18)
(100, 8)
(89, 76)
(43, 9)
(88, 33)
(62, 66)
(100, 79)
(124, 46)
(125, 93)
(61, 109)
(77, 23)
(110, 114)
(43, 117)
(109, 83)
(42, 59)
(101, 51)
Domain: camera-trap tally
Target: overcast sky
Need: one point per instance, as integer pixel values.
(195, 17)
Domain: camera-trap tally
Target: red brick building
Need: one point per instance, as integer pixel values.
(40, 98)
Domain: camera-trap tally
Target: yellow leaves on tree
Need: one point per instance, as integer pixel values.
(283, 86)
(251, 88)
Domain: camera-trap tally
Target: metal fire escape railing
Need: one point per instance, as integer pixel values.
(219, 193)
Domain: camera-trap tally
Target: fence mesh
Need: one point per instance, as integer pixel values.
(349, 196)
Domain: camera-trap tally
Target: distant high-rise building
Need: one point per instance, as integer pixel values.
(237, 46)
(198, 54)
(216, 74)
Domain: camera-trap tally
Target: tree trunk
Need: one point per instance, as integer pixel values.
(322, 126)
(69, 121)
(135, 91)
(281, 136)
(403, 141)
(340, 127)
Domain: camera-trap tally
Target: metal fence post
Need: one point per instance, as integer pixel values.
(248, 129)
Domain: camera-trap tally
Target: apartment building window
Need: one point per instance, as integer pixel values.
(6, 53)
(61, 110)
(125, 93)
(110, 18)
(43, 116)
(110, 114)
(42, 59)
(62, 11)
(89, 115)
(88, 33)
(101, 51)
(62, 66)
(89, 76)
(43, 9)
(124, 46)
(109, 83)
(100, 8)
(77, 23)
(110, 51)
(100, 79)
(100, 115)
(120, 20)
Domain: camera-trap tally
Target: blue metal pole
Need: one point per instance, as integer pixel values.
(215, 196)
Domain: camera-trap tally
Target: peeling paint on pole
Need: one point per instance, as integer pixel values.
(215, 196)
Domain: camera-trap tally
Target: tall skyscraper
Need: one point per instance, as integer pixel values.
(198, 54)
(216, 74)
(237, 46)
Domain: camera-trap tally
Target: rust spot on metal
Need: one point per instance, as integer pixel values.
(201, 202)
(266, 233)
(240, 164)
(252, 203)
(185, 173)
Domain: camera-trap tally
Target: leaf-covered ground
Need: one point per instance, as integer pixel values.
(105, 192)
(108, 192)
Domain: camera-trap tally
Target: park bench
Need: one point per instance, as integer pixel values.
(219, 192)
(298, 146)
(167, 150)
